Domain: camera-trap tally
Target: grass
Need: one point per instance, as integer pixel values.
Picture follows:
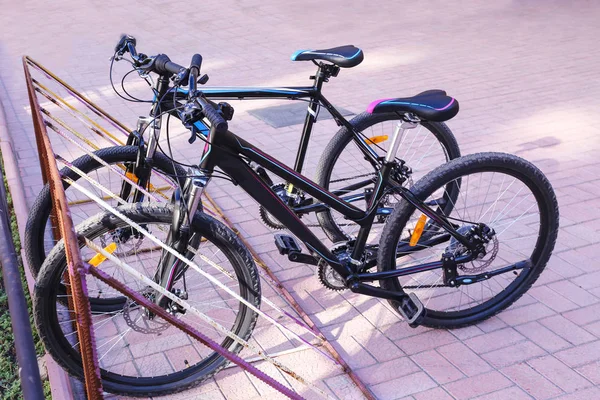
(10, 387)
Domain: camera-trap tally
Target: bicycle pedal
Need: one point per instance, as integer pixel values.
(412, 310)
(286, 244)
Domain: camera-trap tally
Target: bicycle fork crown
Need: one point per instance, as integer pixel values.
(401, 127)
(194, 188)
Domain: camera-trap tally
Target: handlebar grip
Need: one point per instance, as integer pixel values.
(217, 122)
(196, 63)
(163, 65)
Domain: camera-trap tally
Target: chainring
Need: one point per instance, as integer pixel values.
(266, 217)
(330, 278)
(327, 275)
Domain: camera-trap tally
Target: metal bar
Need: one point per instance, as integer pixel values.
(87, 201)
(87, 121)
(88, 103)
(110, 195)
(85, 331)
(292, 301)
(276, 354)
(29, 373)
(273, 280)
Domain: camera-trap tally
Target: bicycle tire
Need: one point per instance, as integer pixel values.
(48, 289)
(532, 178)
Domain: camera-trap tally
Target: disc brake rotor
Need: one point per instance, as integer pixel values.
(137, 319)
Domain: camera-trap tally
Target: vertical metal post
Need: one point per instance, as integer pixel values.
(29, 373)
(77, 282)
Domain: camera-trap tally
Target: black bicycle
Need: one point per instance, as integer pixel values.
(348, 165)
(466, 241)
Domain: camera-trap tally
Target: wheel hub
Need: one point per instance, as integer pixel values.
(138, 319)
(487, 246)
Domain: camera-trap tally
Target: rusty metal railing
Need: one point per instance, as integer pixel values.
(81, 305)
(77, 268)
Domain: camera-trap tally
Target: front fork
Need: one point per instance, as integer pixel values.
(140, 171)
(181, 236)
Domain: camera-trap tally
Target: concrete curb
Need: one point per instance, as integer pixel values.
(59, 379)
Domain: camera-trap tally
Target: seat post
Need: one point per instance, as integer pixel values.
(311, 116)
(401, 127)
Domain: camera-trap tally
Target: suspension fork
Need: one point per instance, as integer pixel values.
(181, 235)
(145, 159)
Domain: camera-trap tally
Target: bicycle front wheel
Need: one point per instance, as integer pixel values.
(141, 354)
(38, 238)
(500, 192)
(343, 164)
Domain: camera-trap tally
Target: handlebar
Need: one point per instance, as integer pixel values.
(217, 122)
(162, 65)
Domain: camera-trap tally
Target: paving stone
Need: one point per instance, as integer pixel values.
(406, 385)
(478, 385)
(437, 367)
(517, 352)
(387, 371)
(559, 374)
(494, 340)
(580, 355)
(464, 359)
(542, 336)
(532, 382)
(591, 372)
(567, 330)
(254, 49)
(513, 393)
(425, 341)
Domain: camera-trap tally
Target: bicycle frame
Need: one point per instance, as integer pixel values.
(229, 152)
(310, 93)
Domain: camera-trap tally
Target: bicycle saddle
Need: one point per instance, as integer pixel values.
(344, 56)
(431, 105)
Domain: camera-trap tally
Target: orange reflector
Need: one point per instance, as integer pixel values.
(135, 179)
(376, 139)
(418, 231)
(99, 258)
(131, 176)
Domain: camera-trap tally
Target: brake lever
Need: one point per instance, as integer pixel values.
(123, 44)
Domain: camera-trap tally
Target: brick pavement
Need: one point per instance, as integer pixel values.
(525, 73)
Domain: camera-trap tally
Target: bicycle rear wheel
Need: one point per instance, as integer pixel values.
(140, 355)
(503, 192)
(343, 164)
